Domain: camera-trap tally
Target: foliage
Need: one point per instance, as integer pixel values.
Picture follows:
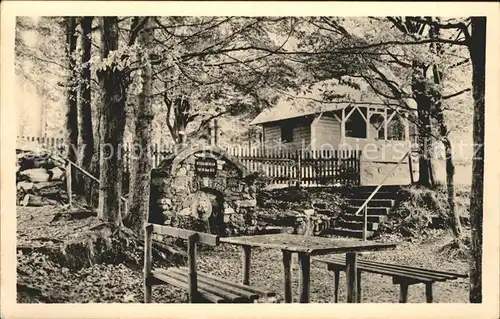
(420, 209)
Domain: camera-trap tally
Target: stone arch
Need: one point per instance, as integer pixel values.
(184, 154)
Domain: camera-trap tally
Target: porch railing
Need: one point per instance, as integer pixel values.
(364, 208)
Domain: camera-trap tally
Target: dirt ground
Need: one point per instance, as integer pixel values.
(40, 279)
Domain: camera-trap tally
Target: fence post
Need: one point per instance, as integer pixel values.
(411, 169)
(299, 168)
(365, 221)
(68, 184)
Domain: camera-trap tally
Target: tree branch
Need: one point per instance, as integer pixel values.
(455, 94)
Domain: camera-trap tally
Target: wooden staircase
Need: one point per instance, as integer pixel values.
(350, 225)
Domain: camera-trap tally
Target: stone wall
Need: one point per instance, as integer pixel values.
(203, 189)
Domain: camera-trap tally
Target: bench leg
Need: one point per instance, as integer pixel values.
(246, 265)
(428, 292)
(403, 293)
(287, 257)
(351, 274)
(336, 283)
(359, 286)
(148, 289)
(305, 271)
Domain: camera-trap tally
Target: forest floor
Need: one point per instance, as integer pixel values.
(41, 278)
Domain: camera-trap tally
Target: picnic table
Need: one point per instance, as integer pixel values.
(305, 247)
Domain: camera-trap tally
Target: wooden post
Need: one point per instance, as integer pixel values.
(287, 257)
(210, 134)
(342, 127)
(246, 264)
(412, 180)
(192, 276)
(147, 263)
(359, 285)
(305, 269)
(68, 185)
(428, 292)
(403, 293)
(365, 221)
(336, 285)
(216, 131)
(351, 274)
(299, 168)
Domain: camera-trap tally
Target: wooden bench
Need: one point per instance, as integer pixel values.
(401, 275)
(201, 287)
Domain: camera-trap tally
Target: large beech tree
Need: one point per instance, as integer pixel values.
(477, 49)
(113, 86)
(140, 177)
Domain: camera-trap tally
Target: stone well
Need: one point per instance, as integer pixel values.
(203, 188)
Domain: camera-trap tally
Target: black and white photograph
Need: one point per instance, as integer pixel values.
(166, 159)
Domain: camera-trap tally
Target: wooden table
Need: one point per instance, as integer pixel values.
(305, 247)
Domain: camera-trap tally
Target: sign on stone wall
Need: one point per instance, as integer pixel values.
(205, 166)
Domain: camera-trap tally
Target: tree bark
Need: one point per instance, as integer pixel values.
(140, 169)
(113, 84)
(453, 217)
(72, 111)
(86, 130)
(426, 168)
(477, 49)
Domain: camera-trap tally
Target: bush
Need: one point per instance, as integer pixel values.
(414, 213)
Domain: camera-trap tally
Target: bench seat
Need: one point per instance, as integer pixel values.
(210, 288)
(402, 275)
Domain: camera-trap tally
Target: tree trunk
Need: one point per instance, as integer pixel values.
(113, 84)
(426, 168)
(86, 130)
(477, 49)
(140, 169)
(453, 216)
(72, 112)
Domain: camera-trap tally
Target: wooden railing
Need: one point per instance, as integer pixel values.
(364, 207)
(69, 166)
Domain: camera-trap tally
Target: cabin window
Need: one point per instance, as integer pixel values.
(286, 133)
(396, 129)
(355, 125)
(377, 127)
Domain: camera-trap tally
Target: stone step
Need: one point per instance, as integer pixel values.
(356, 225)
(350, 233)
(373, 203)
(371, 210)
(370, 218)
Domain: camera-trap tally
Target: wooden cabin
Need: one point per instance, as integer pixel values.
(381, 132)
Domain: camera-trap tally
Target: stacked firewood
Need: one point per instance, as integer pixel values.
(40, 178)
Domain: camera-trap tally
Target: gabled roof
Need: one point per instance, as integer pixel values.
(289, 110)
(294, 106)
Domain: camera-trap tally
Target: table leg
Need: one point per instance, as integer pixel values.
(351, 275)
(246, 264)
(305, 269)
(287, 257)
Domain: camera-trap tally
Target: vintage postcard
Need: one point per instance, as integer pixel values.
(286, 159)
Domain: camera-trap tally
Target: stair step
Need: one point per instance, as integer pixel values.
(370, 218)
(350, 233)
(382, 189)
(373, 203)
(371, 210)
(356, 225)
(378, 195)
